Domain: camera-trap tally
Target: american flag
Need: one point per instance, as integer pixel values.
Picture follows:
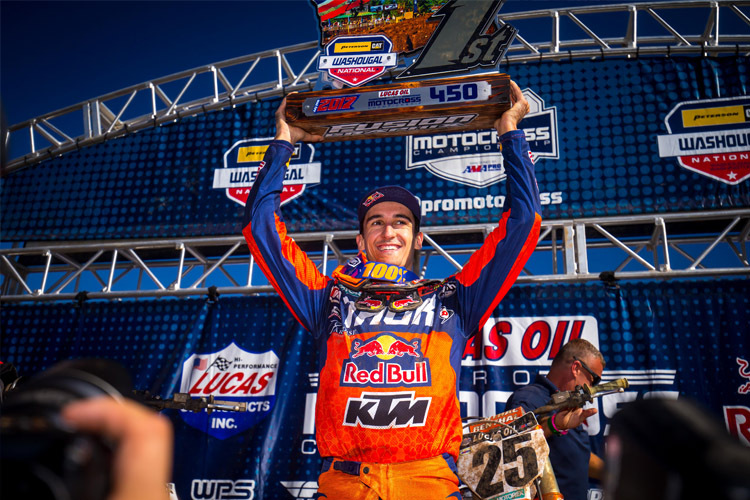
(200, 363)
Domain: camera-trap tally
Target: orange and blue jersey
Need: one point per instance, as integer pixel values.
(388, 387)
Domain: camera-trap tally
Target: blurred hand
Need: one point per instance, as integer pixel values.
(143, 457)
(512, 117)
(570, 419)
(290, 133)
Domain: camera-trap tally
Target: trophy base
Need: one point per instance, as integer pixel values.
(455, 104)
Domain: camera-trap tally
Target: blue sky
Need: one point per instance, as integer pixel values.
(55, 54)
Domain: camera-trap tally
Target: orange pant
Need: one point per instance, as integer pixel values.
(428, 479)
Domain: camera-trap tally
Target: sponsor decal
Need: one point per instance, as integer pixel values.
(737, 419)
(445, 314)
(448, 289)
(230, 374)
(511, 495)
(473, 158)
(243, 162)
(744, 373)
(527, 340)
(399, 98)
(710, 137)
(369, 201)
(434, 123)
(301, 489)
(222, 489)
(386, 361)
(385, 410)
(356, 60)
(329, 104)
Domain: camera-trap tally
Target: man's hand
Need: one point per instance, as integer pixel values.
(569, 419)
(519, 107)
(143, 457)
(290, 133)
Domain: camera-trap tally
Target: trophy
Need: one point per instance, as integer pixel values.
(454, 104)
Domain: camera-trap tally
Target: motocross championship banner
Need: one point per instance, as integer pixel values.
(610, 137)
(686, 340)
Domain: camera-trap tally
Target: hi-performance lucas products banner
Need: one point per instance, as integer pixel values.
(686, 339)
(666, 135)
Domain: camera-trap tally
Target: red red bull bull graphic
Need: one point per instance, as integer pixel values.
(386, 361)
(230, 374)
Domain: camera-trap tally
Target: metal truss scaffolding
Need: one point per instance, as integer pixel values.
(705, 244)
(661, 246)
(654, 28)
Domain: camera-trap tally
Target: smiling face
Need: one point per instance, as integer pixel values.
(388, 234)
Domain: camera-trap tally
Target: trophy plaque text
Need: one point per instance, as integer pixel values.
(470, 102)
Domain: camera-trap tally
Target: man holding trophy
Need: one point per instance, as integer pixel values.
(388, 420)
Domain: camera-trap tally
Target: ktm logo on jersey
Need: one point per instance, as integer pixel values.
(384, 410)
(386, 361)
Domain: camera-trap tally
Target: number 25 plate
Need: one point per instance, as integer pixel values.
(506, 469)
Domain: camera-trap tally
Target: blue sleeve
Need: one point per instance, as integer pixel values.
(290, 271)
(494, 267)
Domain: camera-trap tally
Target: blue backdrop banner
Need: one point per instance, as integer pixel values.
(687, 339)
(610, 137)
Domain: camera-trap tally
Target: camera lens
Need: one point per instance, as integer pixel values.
(42, 458)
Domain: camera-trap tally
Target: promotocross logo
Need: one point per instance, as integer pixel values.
(472, 158)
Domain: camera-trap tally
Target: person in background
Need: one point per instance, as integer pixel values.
(577, 363)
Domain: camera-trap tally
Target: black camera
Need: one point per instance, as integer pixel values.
(41, 456)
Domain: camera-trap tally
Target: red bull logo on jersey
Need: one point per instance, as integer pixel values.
(231, 374)
(386, 361)
(403, 304)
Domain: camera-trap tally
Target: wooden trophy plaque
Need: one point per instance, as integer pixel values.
(470, 102)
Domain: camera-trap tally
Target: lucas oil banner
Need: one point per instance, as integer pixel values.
(609, 137)
(673, 340)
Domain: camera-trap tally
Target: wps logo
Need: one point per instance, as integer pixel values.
(243, 161)
(473, 158)
(385, 410)
(386, 361)
(710, 137)
(222, 489)
(230, 374)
